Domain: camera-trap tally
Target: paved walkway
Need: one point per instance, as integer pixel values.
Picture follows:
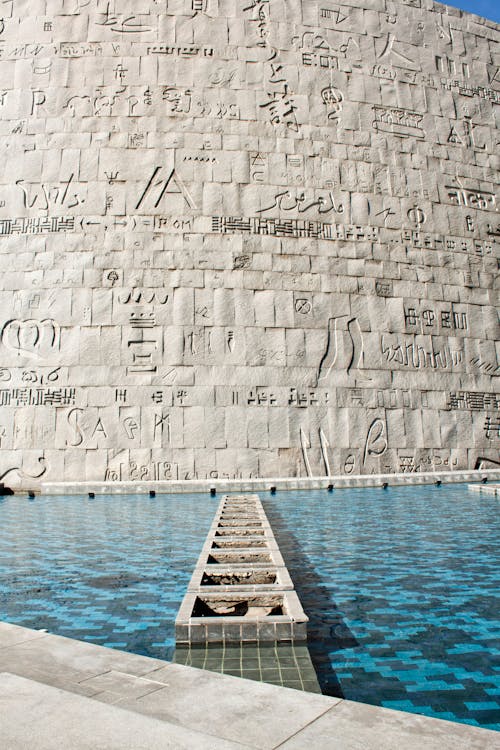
(61, 693)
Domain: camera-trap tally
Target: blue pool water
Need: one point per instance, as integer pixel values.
(401, 585)
(111, 570)
(403, 590)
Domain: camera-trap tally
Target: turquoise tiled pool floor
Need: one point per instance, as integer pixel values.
(402, 588)
(110, 570)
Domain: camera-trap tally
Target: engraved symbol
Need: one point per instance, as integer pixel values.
(258, 165)
(400, 122)
(172, 185)
(38, 98)
(303, 306)
(305, 445)
(161, 426)
(323, 440)
(170, 377)
(391, 51)
(354, 330)
(494, 75)
(41, 460)
(198, 6)
(74, 422)
(386, 212)
(79, 106)
(112, 277)
(242, 261)
(376, 440)
(33, 338)
(55, 195)
(482, 463)
(131, 426)
(111, 177)
(469, 128)
(416, 216)
(330, 13)
(120, 72)
(19, 127)
(41, 69)
(349, 464)
(331, 351)
(121, 24)
(354, 349)
(454, 136)
(492, 427)
(147, 296)
(333, 99)
(445, 34)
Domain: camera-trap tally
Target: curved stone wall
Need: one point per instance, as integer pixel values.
(246, 238)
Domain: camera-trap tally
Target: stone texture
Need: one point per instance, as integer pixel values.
(247, 239)
(45, 718)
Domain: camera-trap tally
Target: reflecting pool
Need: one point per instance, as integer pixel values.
(111, 570)
(401, 585)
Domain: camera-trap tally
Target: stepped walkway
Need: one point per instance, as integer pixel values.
(57, 693)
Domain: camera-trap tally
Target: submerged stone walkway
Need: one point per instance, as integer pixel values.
(485, 489)
(60, 693)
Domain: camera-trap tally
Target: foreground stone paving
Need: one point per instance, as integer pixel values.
(52, 692)
(246, 239)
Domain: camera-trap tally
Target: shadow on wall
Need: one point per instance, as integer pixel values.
(5, 490)
(327, 631)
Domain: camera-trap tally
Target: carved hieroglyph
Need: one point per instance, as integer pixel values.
(247, 238)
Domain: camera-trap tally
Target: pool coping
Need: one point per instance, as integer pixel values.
(73, 676)
(271, 484)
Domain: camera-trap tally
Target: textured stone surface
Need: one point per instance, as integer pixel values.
(184, 707)
(246, 239)
(47, 718)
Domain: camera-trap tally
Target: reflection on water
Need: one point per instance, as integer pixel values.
(401, 588)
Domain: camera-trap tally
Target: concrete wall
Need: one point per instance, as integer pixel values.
(246, 238)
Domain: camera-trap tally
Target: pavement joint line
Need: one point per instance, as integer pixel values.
(308, 724)
(20, 643)
(100, 674)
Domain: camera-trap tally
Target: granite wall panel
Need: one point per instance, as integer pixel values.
(247, 238)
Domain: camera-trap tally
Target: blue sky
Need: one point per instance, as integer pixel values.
(487, 8)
